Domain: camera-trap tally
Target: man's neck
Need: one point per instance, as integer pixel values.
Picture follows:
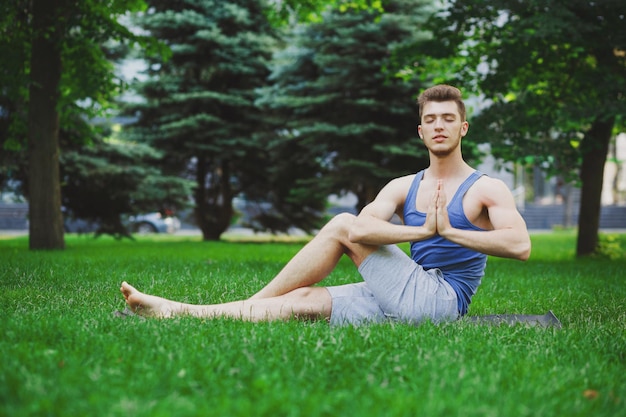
(449, 166)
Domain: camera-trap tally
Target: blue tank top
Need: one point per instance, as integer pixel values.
(462, 268)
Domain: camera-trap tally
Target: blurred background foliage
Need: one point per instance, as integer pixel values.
(283, 103)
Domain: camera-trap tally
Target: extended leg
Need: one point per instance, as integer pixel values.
(318, 258)
(301, 303)
(288, 295)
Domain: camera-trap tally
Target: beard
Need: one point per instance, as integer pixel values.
(444, 151)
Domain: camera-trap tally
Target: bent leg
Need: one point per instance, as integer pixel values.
(405, 290)
(314, 303)
(318, 258)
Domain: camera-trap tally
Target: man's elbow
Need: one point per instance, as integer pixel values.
(357, 232)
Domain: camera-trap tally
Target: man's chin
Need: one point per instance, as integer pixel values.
(441, 152)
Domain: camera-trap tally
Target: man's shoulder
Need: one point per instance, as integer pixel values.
(404, 179)
(396, 189)
(403, 182)
(489, 183)
(490, 188)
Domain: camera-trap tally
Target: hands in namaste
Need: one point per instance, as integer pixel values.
(437, 221)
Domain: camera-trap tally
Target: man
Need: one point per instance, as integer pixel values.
(453, 215)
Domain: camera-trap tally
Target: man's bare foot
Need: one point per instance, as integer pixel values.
(149, 305)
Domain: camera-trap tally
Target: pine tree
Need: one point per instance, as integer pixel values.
(111, 178)
(199, 106)
(345, 102)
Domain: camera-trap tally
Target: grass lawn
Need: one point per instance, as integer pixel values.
(63, 353)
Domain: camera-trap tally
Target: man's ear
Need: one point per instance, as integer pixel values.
(464, 128)
(419, 131)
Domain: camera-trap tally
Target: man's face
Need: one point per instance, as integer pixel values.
(441, 127)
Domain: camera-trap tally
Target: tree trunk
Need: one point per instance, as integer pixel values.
(46, 220)
(214, 205)
(595, 149)
(568, 213)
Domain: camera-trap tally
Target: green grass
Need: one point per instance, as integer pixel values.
(63, 353)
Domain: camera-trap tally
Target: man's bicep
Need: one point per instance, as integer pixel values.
(506, 218)
(503, 213)
(387, 202)
(381, 209)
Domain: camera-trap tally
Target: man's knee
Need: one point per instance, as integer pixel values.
(306, 293)
(340, 224)
(310, 301)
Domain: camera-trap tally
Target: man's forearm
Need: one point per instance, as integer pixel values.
(370, 230)
(506, 243)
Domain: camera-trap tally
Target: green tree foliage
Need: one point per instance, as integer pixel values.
(199, 106)
(284, 12)
(57, 73)
(555, 72)
(111, 178)
(347, 107)
(15, 52)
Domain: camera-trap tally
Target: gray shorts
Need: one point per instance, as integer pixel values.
(395, 289)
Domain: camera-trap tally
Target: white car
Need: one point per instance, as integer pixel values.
(156, 222)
